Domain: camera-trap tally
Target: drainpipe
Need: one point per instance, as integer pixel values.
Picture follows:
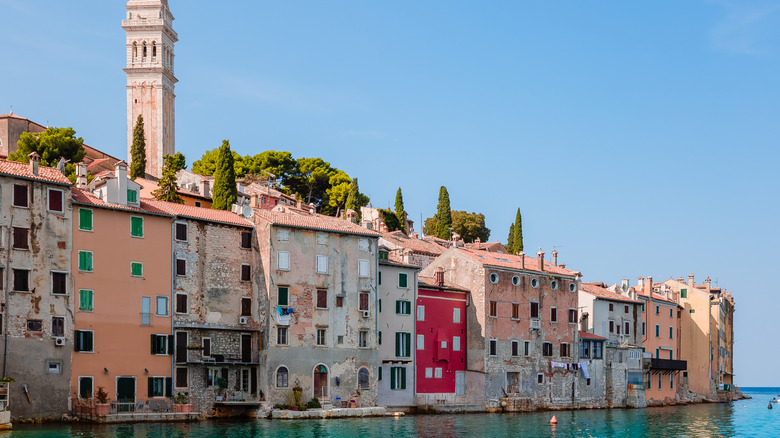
(173, 299)
(7, 287)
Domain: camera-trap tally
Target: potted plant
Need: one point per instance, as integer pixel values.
(297, 391)
(101, 397)
(181, 403)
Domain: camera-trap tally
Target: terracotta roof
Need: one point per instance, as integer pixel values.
(85, 197)
(293, 217)
(586, 335)
(48, 174)
(148, 186)
(16, 116)
(599, 291)
(514, 262)
(656, 296)
(394, 260)
(431, 282)
(200, 213)
(416, 245)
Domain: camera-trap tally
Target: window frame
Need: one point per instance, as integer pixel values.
(246, 272)
(133, 265)
(282, 255)
(181, 267)
(245, 237)
(554, 315)
(405, 283)
(26, 193)
(157, 299)
(15, 272)
(403, 307)
(134, 221)
(516, 311)
(321, 337)
(572, 316)
(78, 342)
(186, 303)
(320, 293)
(82, 226)
(176, 229)
(61, 192)
(279, 374)
(91, 294)
(16, 240)
(321, 264)
(279, 331)
(363, 339)
(364, 272)
(493, 309)
(65, 281)
(515, 350)
(286, 296)
(493, 347)
(134, 198)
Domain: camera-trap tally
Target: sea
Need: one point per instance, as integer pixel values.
(743, 418)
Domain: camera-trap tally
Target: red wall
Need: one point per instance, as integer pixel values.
(437, 327)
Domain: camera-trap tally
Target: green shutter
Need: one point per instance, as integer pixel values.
(85, 219)
(683, 293)
(168, 386)
(170, 344)
(77, 341)
(380, 372)
(132, 195)
(398, 344)
(85, 261)
(82, 299)
(408, 345)
(154, 344)
(150, 386)
(137, 269)
(398, 307)
(380, 277)
(379, 336)
(403, 378)
(380, 304)
(393, 381)
(401, 280)
(90, 300)
(137, 226)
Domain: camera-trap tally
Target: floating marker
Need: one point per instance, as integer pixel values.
(553, 420)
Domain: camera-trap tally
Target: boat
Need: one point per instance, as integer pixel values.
(774, 400)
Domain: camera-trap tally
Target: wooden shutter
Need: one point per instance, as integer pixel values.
(398, 344)
(393, 381)
(153, 343)
(85, 219)
(168, 386)
(77, 340)
(170, 344)
(403, 378)
(408, 345)
(150, 387)
(253, 380)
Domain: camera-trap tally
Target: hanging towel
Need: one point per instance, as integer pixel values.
(584, 367)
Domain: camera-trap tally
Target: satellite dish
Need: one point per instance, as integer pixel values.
(248, 211)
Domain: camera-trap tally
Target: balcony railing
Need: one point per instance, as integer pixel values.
(146, 318)
(536, 323)
(668, 364)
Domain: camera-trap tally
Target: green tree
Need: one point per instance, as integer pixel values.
(518, 240)
(391, 220)
(138, 150)
(443, 215)
(399, 210)
(340, 184)
(224, 193)
(510, 241)
(470, 226)
(355, 199)
(207, 164)
(167, 185)
(51, 144)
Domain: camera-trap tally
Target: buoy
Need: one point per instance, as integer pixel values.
(770, 406)
(553, 420)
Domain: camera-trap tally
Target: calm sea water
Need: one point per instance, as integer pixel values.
(746, 418)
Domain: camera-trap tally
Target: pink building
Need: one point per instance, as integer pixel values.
(440, 341)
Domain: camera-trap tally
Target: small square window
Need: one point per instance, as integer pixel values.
(132, 196)
(59, 283)
(34, 325)
(21, 198)
(136, 269)
(55, 200)
(246, 273)
(181, 232)
(136, 226)
(21, 280)
(85, 219)
(197, 203)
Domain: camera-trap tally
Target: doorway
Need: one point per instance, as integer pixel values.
(320, 381)
(125, 389)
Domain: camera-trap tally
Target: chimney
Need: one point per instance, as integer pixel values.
(407, 256)
(254, 200)
(415, 235)
(649, 285)
(477, 241)
(81, 175)
(299, 203)
(555, 257)
(708, 282)
(351, 216)
(521, 254)
(34, 159)
(440, 276)
(562, 265)
(681, 280)
(690, 280)
(205, 189)
(120, 171)
(312, 208)
(624, 285)
(640, 283)
(540, 257)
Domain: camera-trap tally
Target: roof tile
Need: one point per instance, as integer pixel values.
(45, 173)
(293, 217)
(200, 213)
(514, 262)
(598, 291)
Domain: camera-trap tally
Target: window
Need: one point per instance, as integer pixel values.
(573, 316)
(322, 299)
(456, 315)
(34, 325)
(384, 256)
(322, 264)
(363, 378)
(515, 348)
(456, 343)
(547, 349)
(428, 373)
(283, 296)
(554, 285)
(379, 338)
(493, 346)
(157, 386)
(181, 232)
(246, 273)
(322, 238)
(627, 327)
(437, 372)
(643, 329)
(611, 326)
(421, 313)
(421, 342)
(85, 219)
(553, 314)
(181, 303)
(683, 293)
(281, 335)
(657, 331)
(182, 380)
(403, 307)
(321, 337)
(132, 196)
(402, 279)
(671, 380)
(181, 267)
(85, 387)
(535, 283)
(339, 301)
(21, 198)
(160, 344)
(363, 268)
(21, 280)
(670, 313)
(59, 283)
(515, 311)
(534, 309)
(363, 244)
(86, 300)
(657, 310)
(515, 280)
(212, 376)
(246, 239)
(625, 310)
(246, 306)
(363, 339)
(206, 344)
(379, 279)
(55, 200)
(136, 269)
(146, 310)
(282, 377)
(565, 350)
(526, 348)
(585, 349)
(398, 377)
(85, 261)
(197, 203)
(58, 326)
(611, 307)
(21, 240)
(283, 235)
(659, 381)
(364, 301)
(540, 378)
(671, 331)
(136, 226)
(162, 306)
(402, 344)
(493, 278)
(84, 340)
(597, 346)
(493, 309)
(283, 260)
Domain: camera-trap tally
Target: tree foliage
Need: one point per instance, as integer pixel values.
(510, 240)
(355, 199)
(391, 220)
(51, 144)
(224, 193)
(167, 185)
(399, 210)
(518, 229)
(138, 150)
(443, 215)
(470, 226)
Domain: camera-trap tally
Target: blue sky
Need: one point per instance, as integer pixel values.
(638, 138)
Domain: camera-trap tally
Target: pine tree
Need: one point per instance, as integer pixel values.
(224, 193)
(138, 150)
(443, 215)
(518, 240)
(352, 198)
(167, 185)
(510, 241)
(399, 209)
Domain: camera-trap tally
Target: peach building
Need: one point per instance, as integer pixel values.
(121, 264)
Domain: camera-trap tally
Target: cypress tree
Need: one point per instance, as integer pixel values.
(138, 150)
(224, 193)
(352, 198)
(443, 215)
(168, 185)
(510, 241)
(518, 240)
(399, 209)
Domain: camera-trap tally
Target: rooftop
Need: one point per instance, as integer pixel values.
(293, 217)
(599, 290)
(48, 174)
(430, 282)
(417, 245)
(85, 197)
(590, 336)
(515, 262)
(200, 213)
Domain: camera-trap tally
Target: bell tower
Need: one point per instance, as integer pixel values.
(150, 81)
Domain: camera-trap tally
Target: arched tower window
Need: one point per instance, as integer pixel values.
(144, 50)
(135, 50)
(154, 49)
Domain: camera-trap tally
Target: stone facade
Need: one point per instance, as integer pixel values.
(11, 128)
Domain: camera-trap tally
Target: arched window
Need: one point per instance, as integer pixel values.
(144, 50)
(363, 378)
(282, 377)
(154, 49)
(135, 50)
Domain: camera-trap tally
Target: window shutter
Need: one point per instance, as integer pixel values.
(392, 378)
(380, 373)
(150, 386)
(403, 378)
(170, 344)
(153, 342)
(397, 306)
(89, 341)
(77, 341)
(397, 344)
(168, 386)
(408, 345)
(208, 374)
(253, 380)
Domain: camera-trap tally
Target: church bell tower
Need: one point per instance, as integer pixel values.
(150, 80)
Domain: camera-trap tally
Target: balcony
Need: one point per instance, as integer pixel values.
(536, 324)
(668, 364)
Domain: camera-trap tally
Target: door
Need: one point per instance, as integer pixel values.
(320, 381)
(125, 389)
(246, 348)
(460, 383)
(181, 347)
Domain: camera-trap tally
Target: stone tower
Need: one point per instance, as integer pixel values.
(150, 79)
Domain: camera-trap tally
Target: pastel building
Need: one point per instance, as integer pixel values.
(36, 283)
